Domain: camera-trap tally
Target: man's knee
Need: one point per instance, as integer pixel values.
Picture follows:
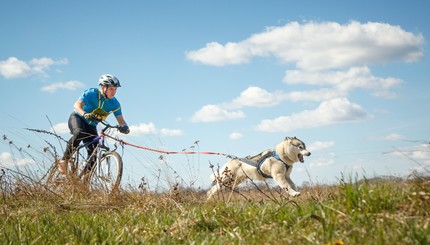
(77, 132)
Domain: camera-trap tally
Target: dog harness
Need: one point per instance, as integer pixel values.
(270, 154)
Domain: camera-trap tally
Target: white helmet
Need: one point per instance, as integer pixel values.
(109, 80)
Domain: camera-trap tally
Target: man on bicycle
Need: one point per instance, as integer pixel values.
(92, 106)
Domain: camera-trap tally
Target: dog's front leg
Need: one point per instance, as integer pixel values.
(287, 184)
(214, 189)
(293, 189)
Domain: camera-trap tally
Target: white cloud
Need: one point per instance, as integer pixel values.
(15, 68)
(320, 145)
(252, 97)
(69, 85)
(9, 161)
(61, 128)
(394, 137)
(334, 111)
(319, 46)
(235, 136)
(316, 95)
(5, 156)
(12, 68)
(257, 97)
(42, 64)
(150, 128)
(332, 56)
(218, 55)
(214, 113)
(340, 83)
(135, 130)
(143, 129)
(418, 152)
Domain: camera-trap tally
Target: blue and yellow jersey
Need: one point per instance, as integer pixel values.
(95, 103)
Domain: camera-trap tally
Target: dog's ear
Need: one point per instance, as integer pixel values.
(287, 138)
(294, 137)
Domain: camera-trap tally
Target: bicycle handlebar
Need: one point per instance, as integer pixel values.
(107, 125)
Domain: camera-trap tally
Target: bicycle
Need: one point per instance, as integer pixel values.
(105, 172)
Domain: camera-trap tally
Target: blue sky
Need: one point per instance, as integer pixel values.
(348, 78)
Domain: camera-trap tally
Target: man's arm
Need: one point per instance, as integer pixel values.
(121, 120)
(78, 106)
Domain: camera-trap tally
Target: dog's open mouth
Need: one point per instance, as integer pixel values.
(301, 159)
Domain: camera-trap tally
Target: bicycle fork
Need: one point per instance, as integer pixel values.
(91, 162)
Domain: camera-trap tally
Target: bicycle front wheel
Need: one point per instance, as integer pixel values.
(106, 175)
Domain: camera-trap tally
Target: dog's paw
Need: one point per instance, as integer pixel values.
(293, 193)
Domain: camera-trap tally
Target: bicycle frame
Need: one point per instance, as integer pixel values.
(98, 149)
(104, 173)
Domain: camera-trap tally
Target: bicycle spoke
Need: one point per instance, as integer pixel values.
(107, 173)
(105, 176)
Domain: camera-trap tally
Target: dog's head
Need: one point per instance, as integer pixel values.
(295, 149)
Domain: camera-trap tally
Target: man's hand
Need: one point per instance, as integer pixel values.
(124, 129)
(91, 117)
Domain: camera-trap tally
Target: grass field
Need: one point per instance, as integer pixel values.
(350, 212)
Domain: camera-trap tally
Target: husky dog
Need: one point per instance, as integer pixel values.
(276, 164)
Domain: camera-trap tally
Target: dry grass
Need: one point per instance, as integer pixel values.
(368, 211)
(352, 212)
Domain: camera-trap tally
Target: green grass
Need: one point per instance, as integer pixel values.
(352, 212)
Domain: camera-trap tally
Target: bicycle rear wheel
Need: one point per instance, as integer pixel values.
(53, 178)
(57, 180)
(106, 175)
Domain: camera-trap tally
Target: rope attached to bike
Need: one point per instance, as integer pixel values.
(170, 152)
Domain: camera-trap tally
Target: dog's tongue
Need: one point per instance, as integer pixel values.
(301, 159)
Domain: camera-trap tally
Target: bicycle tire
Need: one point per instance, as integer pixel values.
(106, 175)
(53, 174)
(56, 180)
